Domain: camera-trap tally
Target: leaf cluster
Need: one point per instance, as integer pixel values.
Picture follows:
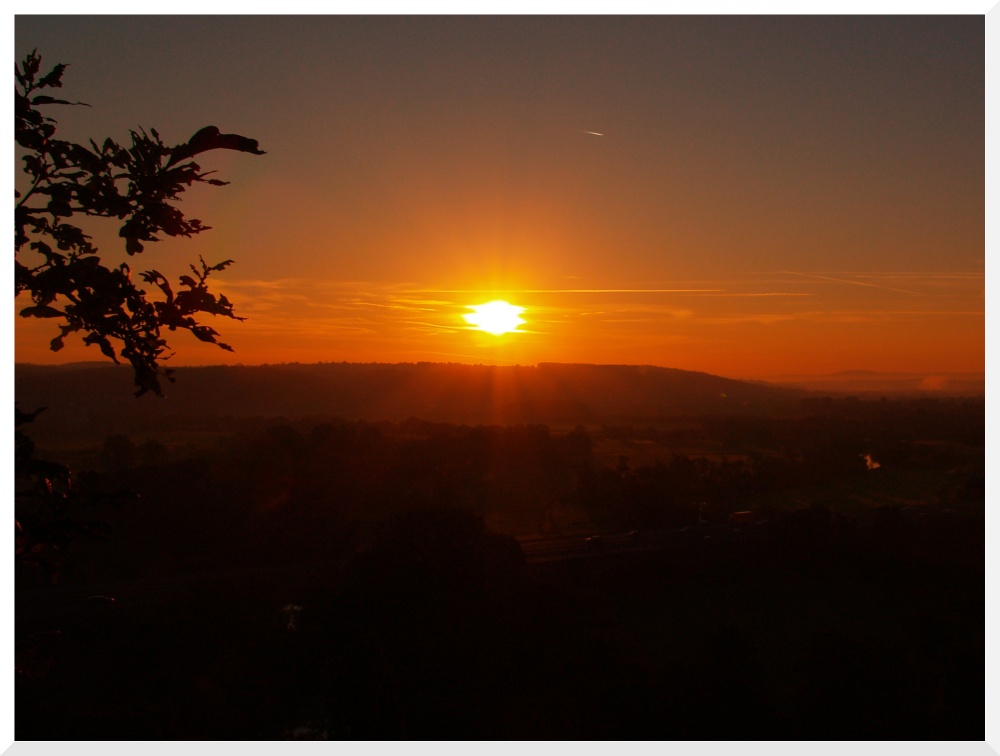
(136, 185)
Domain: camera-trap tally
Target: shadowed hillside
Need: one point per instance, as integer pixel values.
(551, 393)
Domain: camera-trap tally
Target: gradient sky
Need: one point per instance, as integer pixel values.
(771, 195)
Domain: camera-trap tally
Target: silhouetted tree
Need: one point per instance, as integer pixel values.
(42, 524)
(56, 263)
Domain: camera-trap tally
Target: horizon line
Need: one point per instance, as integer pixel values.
(841, 372)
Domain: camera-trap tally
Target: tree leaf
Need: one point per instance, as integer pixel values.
(46, 100)
(54, 77)
(210, 138)
(41, 311)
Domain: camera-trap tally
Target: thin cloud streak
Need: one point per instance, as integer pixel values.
(489, 292)
(434, 327)
(848, 281)
(924, 274)
(761, 294)
(355, 317)
(404, 307)
(836, 316)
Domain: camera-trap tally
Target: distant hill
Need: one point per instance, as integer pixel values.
(102, 395)
(872, 382)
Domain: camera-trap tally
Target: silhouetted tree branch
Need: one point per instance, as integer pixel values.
(58, 267)
(56, 263)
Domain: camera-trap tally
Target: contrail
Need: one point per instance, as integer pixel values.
(595, 133)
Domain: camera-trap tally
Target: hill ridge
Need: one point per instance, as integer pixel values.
(492, 394)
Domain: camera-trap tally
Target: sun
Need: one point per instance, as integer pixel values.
(496, 317)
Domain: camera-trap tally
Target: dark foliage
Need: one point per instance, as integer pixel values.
(52, 510)
(138, 185)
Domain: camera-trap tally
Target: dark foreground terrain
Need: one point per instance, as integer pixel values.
(814, 573)
(442, 631)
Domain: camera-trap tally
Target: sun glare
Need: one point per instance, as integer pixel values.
(497, 317)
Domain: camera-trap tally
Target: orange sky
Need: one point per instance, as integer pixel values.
(770, 196)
